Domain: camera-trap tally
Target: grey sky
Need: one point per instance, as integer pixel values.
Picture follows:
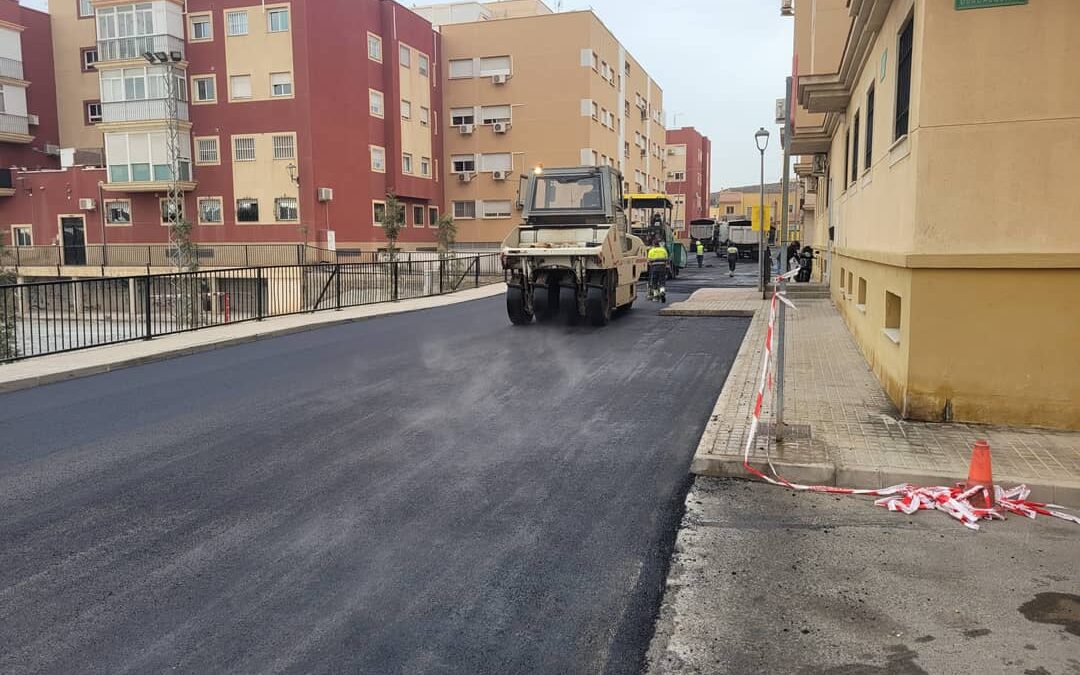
(721, 64)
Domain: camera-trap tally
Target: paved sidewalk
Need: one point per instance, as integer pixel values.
(843, 429)
(46, 369)
(717, 302)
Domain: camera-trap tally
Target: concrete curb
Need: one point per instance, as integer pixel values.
(187, 350)
(709, 312)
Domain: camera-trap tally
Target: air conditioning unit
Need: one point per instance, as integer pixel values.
(820, 165)
(811, 186)
(33, 119)
(499, 175)
(644, 152)
(87, 204)
(465, 176)
(500, 127)
(52, 150)
(644, 113)
(499, 79)
(325, 194)
(787, 7)
(465, 129)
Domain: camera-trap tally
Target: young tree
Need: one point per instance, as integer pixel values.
(7, 311)
(393, 221)
(447, 233)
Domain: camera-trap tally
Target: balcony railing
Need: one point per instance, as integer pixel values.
(14, 124)
(119, 49)
(138, 111)
(11, 68)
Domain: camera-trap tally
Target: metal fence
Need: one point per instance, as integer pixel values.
(59, 316)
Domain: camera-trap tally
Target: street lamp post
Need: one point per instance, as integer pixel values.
(761, 138)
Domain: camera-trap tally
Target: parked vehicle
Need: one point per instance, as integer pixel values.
(743, 237)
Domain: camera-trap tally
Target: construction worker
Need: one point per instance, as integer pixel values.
(699, 248)
(658, 262)
(732, 258)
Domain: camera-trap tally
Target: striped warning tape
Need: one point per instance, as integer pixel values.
(904, 498)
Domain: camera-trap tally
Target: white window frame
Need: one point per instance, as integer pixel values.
(433, 216)
(220, 208)
(288, 85)
(86, 10)
(504, 161)
(425, 116)
(195, 80)
(162, 203)
(484, 114)
(88, 62)
(199, 161)
(108, 215)
(15, 229)
(423, 215)
(258, 214)
(233, 29)
(456, 203)
(373, 96)
(406, 163)
(200, 18)
(283, 150)
(495, 71)
(277, 11)
(488, 212)
(277, 209)
(423, 64)
(454, 117)
(404, 55)
(232, 88)
(374, 220)
(377, 43)
(245, 154)
(406, 110)
(379, 152)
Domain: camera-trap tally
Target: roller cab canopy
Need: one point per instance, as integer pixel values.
(647, 200)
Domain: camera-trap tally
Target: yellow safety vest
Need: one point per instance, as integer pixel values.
(657, 253)
(700, 248)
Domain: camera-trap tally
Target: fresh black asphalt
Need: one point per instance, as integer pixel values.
(428, 492)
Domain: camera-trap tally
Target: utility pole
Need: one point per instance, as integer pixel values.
(761, 138)
(785, 137)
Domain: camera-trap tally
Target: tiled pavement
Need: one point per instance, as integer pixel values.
(717, 302)
(842, 428)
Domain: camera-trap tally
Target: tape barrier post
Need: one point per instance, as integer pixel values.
(905, 498)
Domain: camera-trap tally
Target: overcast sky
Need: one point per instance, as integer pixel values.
(721, 64)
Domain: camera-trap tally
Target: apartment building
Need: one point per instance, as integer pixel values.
(526, 88)
(689, 158)
(294, 120)
(28, 127)
(943, 166)
(736, 203)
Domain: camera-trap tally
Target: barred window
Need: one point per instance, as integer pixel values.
(285, 208)
(237, 23)
(244, 149)
(207, 150)
(284, 146)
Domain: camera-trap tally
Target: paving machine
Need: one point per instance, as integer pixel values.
(573, 255)
(650, 215)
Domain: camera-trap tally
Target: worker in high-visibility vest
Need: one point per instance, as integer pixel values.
(700, 250)
(658, 263)
(732, 257)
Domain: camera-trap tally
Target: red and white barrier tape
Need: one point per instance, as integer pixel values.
(905, 498)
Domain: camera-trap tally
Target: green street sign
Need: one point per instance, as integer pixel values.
(980, 4)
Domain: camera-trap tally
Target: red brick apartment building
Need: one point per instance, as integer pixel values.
(295, 119)
(689, 156)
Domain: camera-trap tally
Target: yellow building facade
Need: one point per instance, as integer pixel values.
(942, 166)
(525, 87)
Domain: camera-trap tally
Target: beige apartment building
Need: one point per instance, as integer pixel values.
(525, 87)
(75, 59)
(939, 139)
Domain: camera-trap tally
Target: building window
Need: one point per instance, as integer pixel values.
(118, 212)
(171, 212)
(677, 176)
(463, 163)
(497, 208)
(378, 213)
(22, 235)
(459, 116)
(93, 111)
(855, 149)
(869, 127)
(425, 166)
(284, 146)
(240, 86)
(903, 78)
(206, 150)
(461, 68)
(243, 149)
(236, 23)
(425, 116)
(406, 163)
(847, 156)
(404, 56)
(730, 210)
(89, 58)
(490, 114)
(464, 210)
(433, 216)
(277, 20)
(494, 65)
(85, 9)
(374, 47)
(423, 64)
(285, 208)
(204, 88)
(375, 103)
(378, 159)
(281, 84)
(406, 110)
(418, 216)
(495, 161)
(210, 210)
(200, 28)
(247, 210)
(626, 148)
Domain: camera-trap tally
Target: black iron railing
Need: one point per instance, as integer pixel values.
(59, 316)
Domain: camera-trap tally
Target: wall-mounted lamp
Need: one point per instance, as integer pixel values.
(294, 174)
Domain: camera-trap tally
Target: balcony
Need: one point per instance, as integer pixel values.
(15, 128)
(141, 111)
(123, 49)
(11, 68)
(7, 183)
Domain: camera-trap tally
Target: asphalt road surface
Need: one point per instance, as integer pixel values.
(766, 580)
(430, 492)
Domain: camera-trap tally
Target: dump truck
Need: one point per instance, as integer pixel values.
(573, 254)
(744, 237)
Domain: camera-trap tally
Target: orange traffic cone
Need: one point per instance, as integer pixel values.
(980, 473)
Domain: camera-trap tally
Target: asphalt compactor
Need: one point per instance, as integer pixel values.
(573, 256)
